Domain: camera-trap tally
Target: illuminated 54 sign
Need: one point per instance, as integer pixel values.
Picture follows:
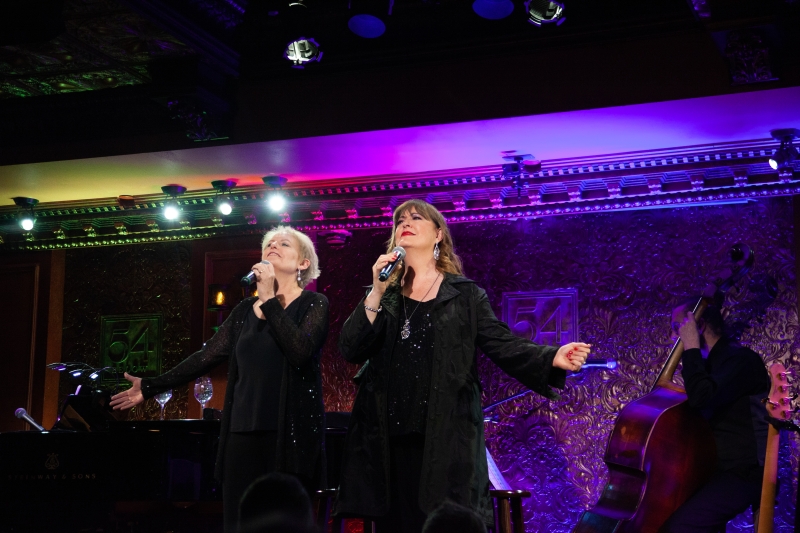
(132, 343)
(545, 317)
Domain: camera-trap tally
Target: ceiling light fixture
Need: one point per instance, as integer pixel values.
(493, 9)
(302, 51)
(171, 209)
(224, 205)
(518, 166)
(545, 12)
(276, 200)
(27, 217)
(783, 157)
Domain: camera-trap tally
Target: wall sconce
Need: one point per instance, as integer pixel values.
(27, 218)
(224, 205)
(336, 238)
(276, 200)
(171, 209)
(218, 299)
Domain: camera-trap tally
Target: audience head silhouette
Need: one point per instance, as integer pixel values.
(450, 517)
(276, 502)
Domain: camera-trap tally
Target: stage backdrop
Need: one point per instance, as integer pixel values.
(629, 269)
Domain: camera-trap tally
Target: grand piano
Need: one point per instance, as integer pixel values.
(93, 472)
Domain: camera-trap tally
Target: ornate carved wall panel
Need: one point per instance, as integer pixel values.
(629, 269)
(128, 280)
(345, 273)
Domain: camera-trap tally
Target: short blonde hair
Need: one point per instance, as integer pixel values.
(307, 251)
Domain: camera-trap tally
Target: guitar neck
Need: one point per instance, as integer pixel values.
(766, 517)
(778, 407)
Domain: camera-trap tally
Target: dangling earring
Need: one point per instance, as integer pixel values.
(436, 251)
(299, 279)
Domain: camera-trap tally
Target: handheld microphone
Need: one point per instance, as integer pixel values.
(385, 271)
(23, 414)
(250, 278)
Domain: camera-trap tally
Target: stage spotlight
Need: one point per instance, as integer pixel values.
(224, 205)
(277, 202)
(545, 12)
(171, 209)
(786, 153)
(27, 217)
(302, 51)
(493, 9)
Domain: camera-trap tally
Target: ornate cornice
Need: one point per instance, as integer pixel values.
(700, 175)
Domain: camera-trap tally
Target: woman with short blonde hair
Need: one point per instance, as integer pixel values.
(273, 416)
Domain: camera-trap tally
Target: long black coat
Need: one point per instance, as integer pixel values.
(301, 417)
(454, 458)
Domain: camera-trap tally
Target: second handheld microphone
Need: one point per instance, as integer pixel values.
(385, 271)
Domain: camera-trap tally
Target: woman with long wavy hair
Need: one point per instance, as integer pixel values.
(416, 433)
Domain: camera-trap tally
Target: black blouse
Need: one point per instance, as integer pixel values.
(258, 388)
(410, 371)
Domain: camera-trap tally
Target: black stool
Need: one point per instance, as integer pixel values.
(321, 505)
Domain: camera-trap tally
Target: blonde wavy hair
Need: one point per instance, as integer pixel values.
(307, 251)
(448, 260)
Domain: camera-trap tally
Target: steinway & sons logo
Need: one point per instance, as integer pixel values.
(52, 461)
(51, 464)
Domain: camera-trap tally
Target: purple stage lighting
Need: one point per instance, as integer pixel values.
(366, 26)
(493, 9)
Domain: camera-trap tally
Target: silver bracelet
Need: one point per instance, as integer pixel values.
(368, 308)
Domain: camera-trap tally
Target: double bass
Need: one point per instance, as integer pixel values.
(660, 450)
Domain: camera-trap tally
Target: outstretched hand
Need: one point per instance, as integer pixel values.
(130, 397)
(572, 356)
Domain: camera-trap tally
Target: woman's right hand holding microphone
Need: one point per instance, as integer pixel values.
(373, 300)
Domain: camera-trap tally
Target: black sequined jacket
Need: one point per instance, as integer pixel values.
(301, 420)
(454, 457)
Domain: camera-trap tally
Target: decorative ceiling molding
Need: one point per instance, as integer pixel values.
(735, 173)
(105, 46)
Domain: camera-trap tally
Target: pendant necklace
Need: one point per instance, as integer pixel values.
(405, 331)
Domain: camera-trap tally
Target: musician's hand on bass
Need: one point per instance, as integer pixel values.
(130, 397)
(689, 332)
